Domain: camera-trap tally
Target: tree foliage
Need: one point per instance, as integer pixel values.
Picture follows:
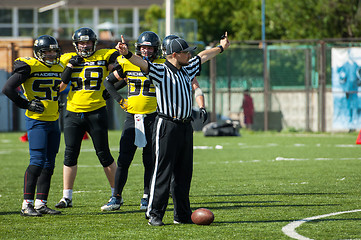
(285, 19)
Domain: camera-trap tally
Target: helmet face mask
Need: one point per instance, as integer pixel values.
(166, 41)
(146, 51)
(47, 50)
(149, 39)
(84, 35)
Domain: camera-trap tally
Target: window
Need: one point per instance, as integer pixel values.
(85, 17)
(125, 16)
(126, 31)
(45, 17)
(5, 21)
(5, 16)
(31, 23)
(66, 16)
(106, 15)
(26, 32)
(26, 16)
(142, 15)
(45, 31)
(6, 32)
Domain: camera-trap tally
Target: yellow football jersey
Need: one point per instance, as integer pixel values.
(42, 84)
(86, 91)
(141, 92)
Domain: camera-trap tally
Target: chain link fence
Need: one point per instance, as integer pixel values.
(290, 83)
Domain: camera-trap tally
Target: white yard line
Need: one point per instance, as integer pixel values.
(290, 229)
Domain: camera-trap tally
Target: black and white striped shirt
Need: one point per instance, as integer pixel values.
(174, 87)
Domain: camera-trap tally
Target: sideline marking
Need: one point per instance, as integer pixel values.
(289, 229)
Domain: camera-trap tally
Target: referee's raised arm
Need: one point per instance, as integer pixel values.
(211, 53)
(134, 59)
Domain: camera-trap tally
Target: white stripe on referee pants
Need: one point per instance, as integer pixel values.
(152, 183)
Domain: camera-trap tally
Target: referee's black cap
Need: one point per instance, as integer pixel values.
(178, 45)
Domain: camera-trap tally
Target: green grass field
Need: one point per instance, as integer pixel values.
(255, 185)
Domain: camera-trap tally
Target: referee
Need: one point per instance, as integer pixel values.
(172, 138)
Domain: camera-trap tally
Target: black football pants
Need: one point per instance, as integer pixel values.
(127, 150)
(96, 124)
(173, 152)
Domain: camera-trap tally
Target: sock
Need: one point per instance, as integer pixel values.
(43, 185)
(112, 191)
(31, 176)
(68, 193)
(145, 195)
(39, 203)
(26, 202)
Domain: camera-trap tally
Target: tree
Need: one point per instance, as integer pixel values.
(285, 19)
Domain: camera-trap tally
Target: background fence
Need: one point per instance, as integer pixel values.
(290, 83)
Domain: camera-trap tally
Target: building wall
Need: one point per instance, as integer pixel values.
(288, 110)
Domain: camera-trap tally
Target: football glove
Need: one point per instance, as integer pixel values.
(106, 94)
(36, 105)
(203, 114)
(76, 60)
(124, 103)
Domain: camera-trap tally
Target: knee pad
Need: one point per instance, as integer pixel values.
(70, 157)
(69, 162)
(34, 170)
(124, 160)
(48, 171)
(105, 158)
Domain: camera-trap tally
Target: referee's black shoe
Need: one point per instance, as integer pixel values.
(155, 221)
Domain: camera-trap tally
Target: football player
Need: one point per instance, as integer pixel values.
(140, 106)
(86, 111)
(40, 78)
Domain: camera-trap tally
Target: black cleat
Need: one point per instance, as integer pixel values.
(45, 210)
(155, 221)
(64, 203)
(29, 211)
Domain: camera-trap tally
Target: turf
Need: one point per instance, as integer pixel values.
(255, 185)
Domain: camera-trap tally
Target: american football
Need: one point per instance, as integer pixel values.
(202, 216)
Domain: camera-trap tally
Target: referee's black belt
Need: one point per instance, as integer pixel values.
(175, 120)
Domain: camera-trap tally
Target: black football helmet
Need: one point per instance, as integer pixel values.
(148, 38)
(46, 43)
(82, 35)
(166, 41)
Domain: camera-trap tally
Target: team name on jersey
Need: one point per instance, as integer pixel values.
(134, 74)
(94, 63)
(46, 74)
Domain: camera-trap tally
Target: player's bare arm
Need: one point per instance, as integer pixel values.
(211, 53)
(134, 59)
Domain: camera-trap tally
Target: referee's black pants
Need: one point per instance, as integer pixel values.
(173, 152)
(127, 150)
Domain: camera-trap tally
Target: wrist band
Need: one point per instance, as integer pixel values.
(129, 55)
(222, 49)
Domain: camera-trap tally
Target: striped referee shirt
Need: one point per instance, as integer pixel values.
(174, 87)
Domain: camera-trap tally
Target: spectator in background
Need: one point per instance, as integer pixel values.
(248, 109)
